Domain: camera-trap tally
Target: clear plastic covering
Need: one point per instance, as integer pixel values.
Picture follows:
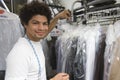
(77, 50)
(114, 73)
(112, 53)
(10, 30)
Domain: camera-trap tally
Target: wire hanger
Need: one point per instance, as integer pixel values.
(4, 5)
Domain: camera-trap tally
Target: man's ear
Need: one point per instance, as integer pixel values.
(25, 26)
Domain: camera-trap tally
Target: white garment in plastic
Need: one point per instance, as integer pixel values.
(117, 29)
(10, 31)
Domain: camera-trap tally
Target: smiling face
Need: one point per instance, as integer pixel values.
(37, 27)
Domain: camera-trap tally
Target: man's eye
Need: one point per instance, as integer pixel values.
(45, 23)
(35, 23)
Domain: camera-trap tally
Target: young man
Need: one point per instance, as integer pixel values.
(26, 60)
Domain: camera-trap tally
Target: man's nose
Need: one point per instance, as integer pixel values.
(41, 26)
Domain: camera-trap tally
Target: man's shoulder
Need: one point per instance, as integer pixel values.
(21, 46)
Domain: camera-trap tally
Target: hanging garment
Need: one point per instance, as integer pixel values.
(112, 35)
(63, 46)
(10, 31)
(79, 67)
(99, 58)
(110, 40)
(77, 50)
(114, 73)
(49, 70)
(69, 68)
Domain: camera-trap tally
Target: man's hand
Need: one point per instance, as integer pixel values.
(63, 15)
(61, 76)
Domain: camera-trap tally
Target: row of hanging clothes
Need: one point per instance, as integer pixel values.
(90, 52)
(78, 50)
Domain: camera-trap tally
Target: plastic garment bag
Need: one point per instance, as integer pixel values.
(114, 72)
(77, 49)
(112, 52)
(79, 68)
(117, 29)
(49, 71)
(66, 49)
(110, 39)
(99, 52)
(10, 31)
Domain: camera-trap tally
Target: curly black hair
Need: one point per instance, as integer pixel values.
(34, 8)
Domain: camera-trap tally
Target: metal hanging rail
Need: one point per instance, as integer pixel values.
(107, 16)
(107, 13)
(4, 5)
(72, 10)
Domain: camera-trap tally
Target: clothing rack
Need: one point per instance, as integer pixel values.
(81, 9)
(84, 5)
(53, 6)
(4, 5)
(72, 10)
(92, 3)
(102, 14)
(57, 6)
(106, 16)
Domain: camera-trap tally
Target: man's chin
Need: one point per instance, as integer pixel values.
(41, 37)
